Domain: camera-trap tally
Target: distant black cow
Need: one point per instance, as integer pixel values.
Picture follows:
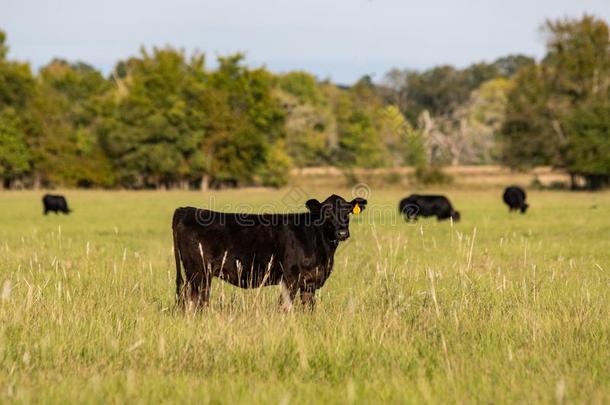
(250, 251)
(415, 206)
(55, 203)
(514, 197)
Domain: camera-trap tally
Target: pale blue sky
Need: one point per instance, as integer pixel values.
(337, 39)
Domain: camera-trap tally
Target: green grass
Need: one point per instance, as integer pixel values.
(498, 308)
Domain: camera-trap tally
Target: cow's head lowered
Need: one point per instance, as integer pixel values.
(333, 215)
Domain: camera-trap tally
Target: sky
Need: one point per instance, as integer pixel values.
(339, 40)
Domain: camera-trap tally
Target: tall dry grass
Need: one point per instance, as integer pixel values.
(497, 308)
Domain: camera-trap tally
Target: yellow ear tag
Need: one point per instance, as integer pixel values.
(356, 209)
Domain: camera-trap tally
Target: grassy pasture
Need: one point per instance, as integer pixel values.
(497, 308)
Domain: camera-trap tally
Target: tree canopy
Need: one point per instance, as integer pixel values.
(163, 119)
(552, 101)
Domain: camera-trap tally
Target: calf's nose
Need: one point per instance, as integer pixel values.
(342, 234)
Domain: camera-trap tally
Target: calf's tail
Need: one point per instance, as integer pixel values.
(179, 279)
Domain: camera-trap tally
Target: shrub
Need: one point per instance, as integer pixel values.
(432, 175)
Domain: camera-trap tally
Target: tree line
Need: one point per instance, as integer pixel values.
(163, 119)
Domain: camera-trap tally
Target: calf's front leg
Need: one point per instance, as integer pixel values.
(287, 294)
(308, 298)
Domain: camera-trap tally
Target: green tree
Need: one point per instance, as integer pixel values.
(309, 120)
(278, 165)
(526, 132)
(61, 126)
(510, 65)
(14, 153)
(248, 120)
(17, 86)
(588, 151)
(358, 127)
(573, 76)
(16, 80)
(577, 61)
(155, 122)
(481, 121)
(479, 73)
(438, 90)
(301, 85)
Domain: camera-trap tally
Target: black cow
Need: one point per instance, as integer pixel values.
(514, 197)
(249, 251)
(416, 205)
(55, 203)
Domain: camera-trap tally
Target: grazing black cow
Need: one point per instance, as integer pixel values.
(249, 251)
(55, 203)
(416, 205)
(514, 197)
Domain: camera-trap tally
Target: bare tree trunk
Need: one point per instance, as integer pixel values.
(425, 122)
(572, 181)
(204, 185)
(37, 181)
(455, 159)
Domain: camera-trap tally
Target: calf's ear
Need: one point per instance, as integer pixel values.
(358, 204)
(313, 206)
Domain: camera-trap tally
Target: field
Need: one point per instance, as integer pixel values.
(497, 308)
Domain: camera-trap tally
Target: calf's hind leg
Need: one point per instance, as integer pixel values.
(308, 298)
(197, 291)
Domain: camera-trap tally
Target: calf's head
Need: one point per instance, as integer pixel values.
(333, 214)
(455, 215)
